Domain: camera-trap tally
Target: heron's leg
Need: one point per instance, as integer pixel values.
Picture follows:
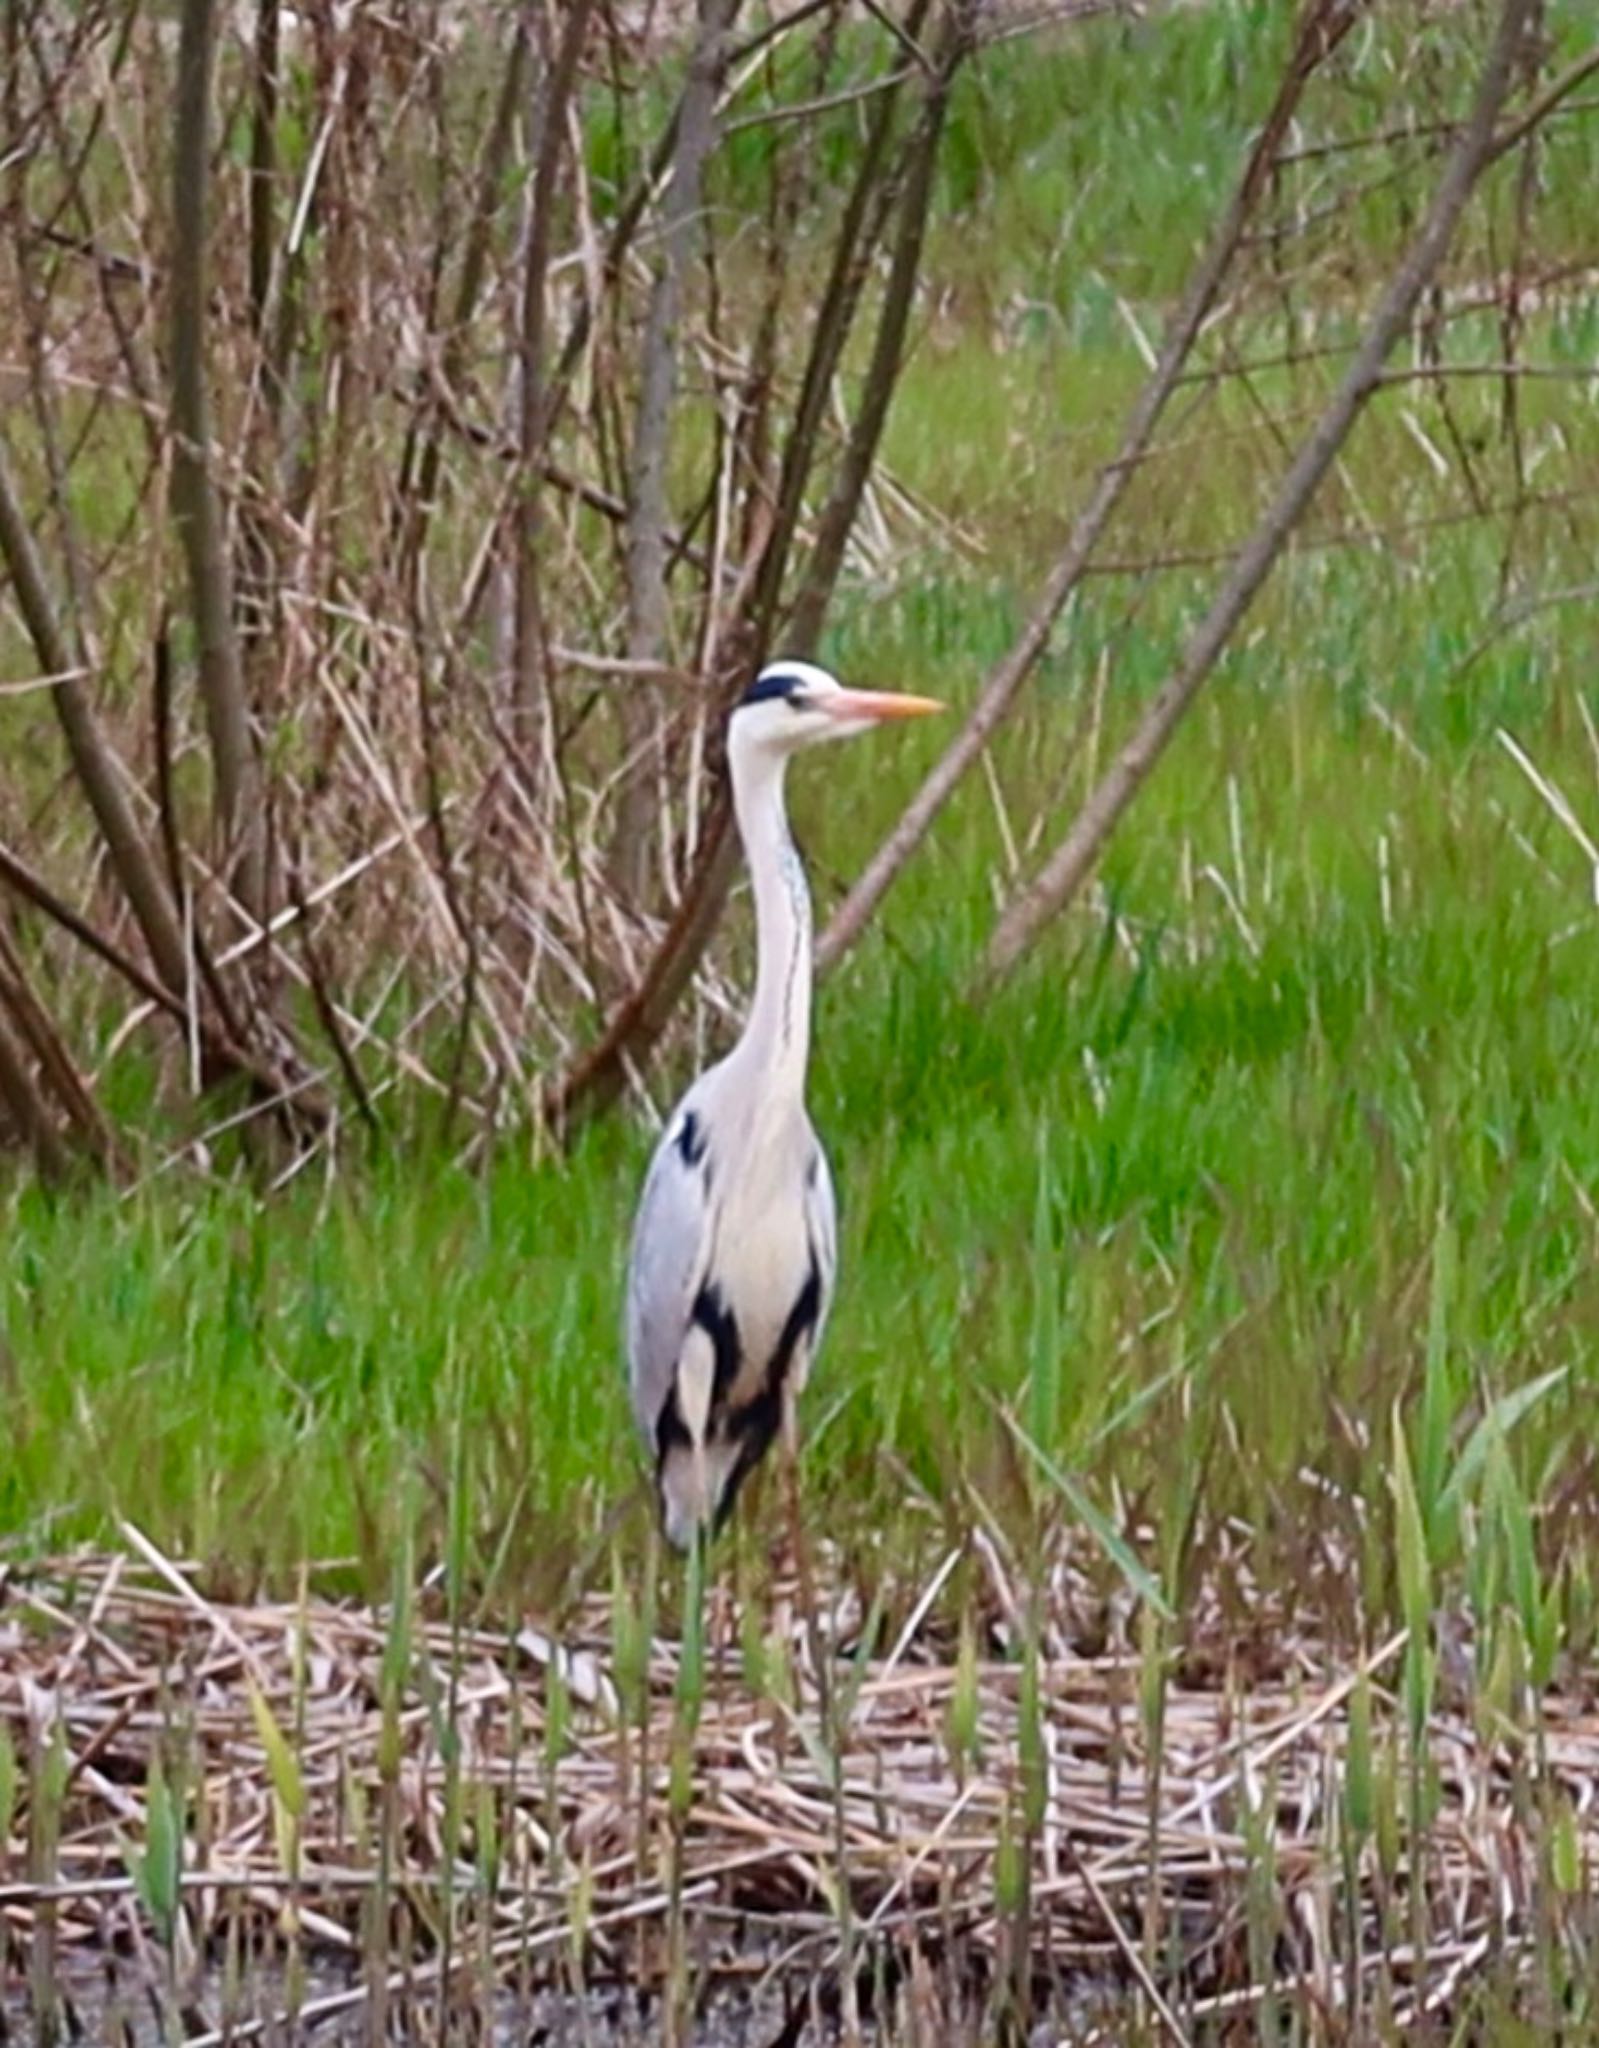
(790, 1454)
(829, 1725)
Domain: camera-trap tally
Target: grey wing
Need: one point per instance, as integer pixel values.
(671, 1236)
(821, 1221)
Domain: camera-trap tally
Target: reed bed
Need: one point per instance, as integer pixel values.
(193, 1783)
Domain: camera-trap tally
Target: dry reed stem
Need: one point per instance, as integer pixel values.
(126, 1653)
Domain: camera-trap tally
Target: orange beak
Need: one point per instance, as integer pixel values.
(875, 705)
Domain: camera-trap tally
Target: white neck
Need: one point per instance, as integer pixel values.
(777, 1036)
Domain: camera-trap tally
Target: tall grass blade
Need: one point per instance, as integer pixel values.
(1109, 1539)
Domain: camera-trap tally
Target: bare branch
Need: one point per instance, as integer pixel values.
(25, 1106)
(530, 656)
(859, 231)
(824, 103)
(55, 1065)
(636, 1024)
(263, 160)
(1547, 102)
(196, 509)
(1326, 23)
(217, 1045)
(838, 518)
(647, 501)
(1068, 866)
(469, 285)
(99, 771)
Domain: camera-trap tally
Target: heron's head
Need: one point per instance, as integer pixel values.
(794, 704)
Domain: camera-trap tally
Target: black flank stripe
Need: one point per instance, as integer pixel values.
(670, 1429)
(801, 1320)
(712, 1316)
(755, 1426)
(716, 1319)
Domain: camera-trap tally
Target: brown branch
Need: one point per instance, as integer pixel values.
(1136, 567)
(32, 297)
(196, 509)
(1069, 865)
(469, 284)
(647, 503)
(263, 161)
(1325, 25)
(860, 229)
(1441, 373)
(214, 1042)
(628, 216)
(327, 1009)
(1459, 306)
(824, 103)
(596, 1081)
(1512, 315)
(638, 1022)
(25, 1105)
(632, 209)
(492, 442)
(888, 347)
(465, 917)
(748, 453)
(99, 772)
(780, 25)
(647, 618)
(1553, 98)
(109, 269)
(529, 652)
(1557, 90)
(171, 845)
(55, 1063)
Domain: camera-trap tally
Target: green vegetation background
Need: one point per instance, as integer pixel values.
(1291, 1121)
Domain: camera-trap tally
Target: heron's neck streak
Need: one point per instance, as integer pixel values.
(776, 1039)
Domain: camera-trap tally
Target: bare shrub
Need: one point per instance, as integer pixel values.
(419, 424)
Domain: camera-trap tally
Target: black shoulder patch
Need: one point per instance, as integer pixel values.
(771, 684)
(691, 1140)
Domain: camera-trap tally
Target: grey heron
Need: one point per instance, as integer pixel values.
(734, 1249)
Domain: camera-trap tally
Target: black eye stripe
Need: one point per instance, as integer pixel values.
(784, 683)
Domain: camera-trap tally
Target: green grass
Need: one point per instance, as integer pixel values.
(1188, 1172)
(1175, 1195)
